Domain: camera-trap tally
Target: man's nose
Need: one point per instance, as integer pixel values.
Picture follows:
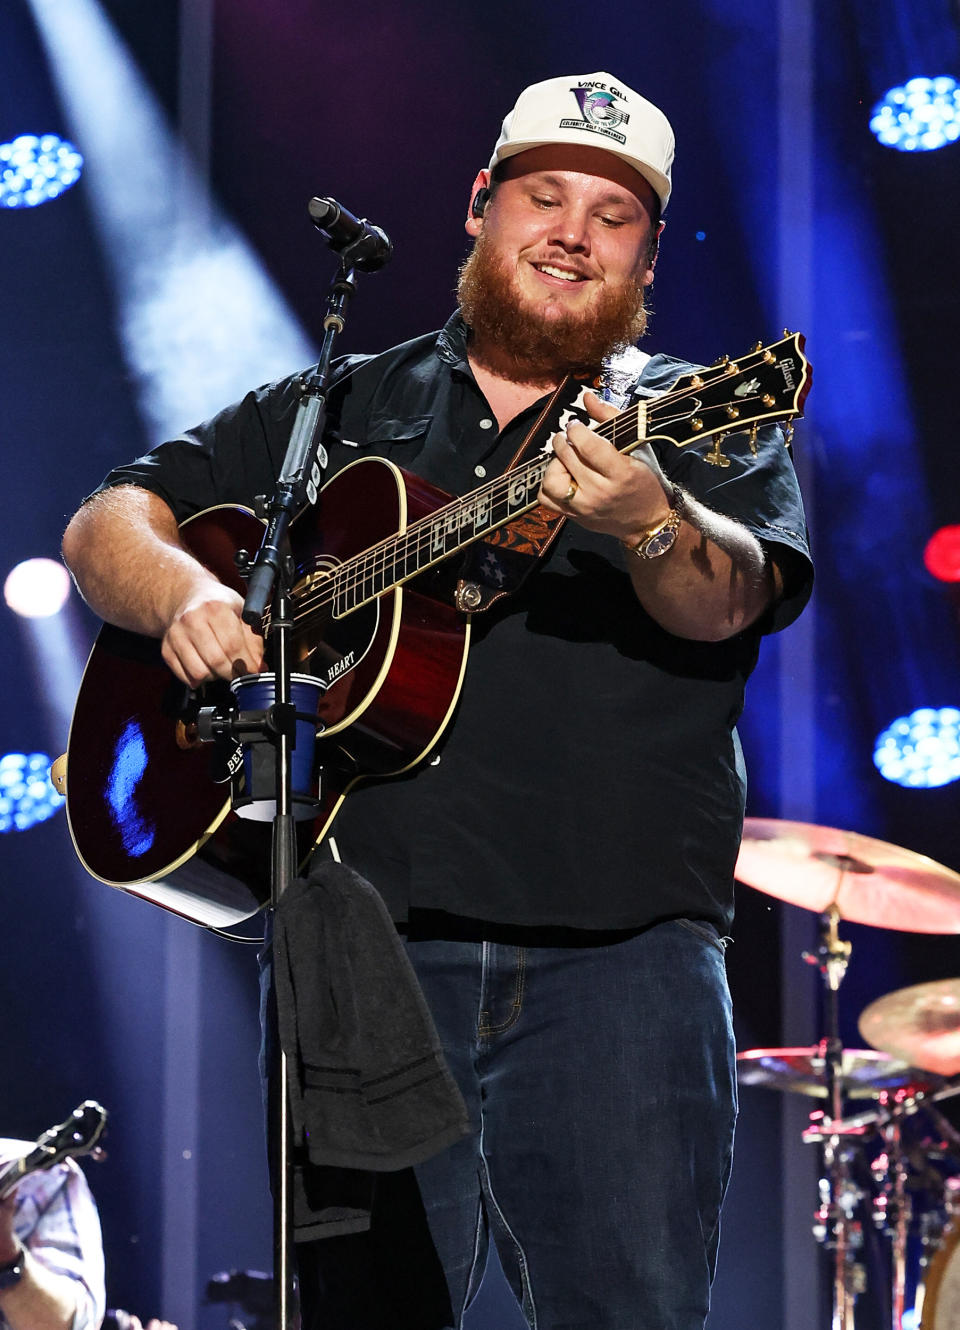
(571, 231)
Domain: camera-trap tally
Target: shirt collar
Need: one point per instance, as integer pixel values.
(452, 343)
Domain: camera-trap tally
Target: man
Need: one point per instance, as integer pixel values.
(51, 1252)
(51, 1255)
(562, 866)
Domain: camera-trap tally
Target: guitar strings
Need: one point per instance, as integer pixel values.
(369, 566)
(365, 569)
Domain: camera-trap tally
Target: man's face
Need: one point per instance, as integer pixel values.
(566, 241)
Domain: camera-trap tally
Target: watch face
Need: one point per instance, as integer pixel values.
(661, 542)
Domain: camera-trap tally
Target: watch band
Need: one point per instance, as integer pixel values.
(13, 1271)
(661, 538)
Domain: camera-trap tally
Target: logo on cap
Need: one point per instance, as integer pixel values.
(599, 113)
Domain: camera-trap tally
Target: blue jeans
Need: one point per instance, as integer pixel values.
(601, 1086)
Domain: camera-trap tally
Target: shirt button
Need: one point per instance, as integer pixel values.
(486, 423)
(480, 471)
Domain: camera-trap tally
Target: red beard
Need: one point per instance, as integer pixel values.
(515, 341)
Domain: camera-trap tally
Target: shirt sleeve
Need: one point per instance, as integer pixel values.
(232, 457)
(227, 459)
(757, 486)
(56, 1220)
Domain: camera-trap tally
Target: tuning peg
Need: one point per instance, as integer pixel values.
(754, 430)
(788, 433)
(757, 346)
(716, 457)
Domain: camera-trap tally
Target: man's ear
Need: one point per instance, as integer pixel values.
(654, 254)
(479, 197)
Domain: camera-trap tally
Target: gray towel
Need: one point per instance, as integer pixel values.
(368, 1084)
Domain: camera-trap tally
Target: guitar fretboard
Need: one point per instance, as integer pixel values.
(768, 383)
(457, 524)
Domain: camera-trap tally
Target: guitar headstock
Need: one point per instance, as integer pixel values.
(78, 1135)
(769, 383)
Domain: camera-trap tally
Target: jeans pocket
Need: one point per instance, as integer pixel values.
(704, 930)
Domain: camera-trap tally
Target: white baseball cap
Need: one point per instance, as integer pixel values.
(595, 109)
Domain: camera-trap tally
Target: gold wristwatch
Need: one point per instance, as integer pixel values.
(662, 537)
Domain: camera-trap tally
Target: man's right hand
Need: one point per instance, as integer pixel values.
(208, 639)
(125, 551)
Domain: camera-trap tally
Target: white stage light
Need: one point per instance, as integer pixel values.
(37, 588)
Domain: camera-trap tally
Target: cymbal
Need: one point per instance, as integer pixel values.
(869, 881)
(921, 1023)
(865, 1072)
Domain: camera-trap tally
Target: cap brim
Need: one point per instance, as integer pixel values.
(657, 181)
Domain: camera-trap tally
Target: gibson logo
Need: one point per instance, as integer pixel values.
(786, 369)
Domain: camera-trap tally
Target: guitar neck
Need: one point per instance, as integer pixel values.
(766, 384)
(455, 525)
(77, 1136)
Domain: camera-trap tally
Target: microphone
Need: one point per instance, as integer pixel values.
(364, 246)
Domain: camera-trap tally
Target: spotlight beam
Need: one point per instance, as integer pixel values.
(200, 320)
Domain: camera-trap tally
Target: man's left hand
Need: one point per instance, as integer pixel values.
(590, 480)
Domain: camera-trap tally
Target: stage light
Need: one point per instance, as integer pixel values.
(922, 115)
(199, 317)
(26, 794)
(922, 750)
(942, 554)
(37, 588)
(35, 169)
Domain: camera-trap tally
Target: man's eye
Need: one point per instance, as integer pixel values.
(613, 221)
(543, 203)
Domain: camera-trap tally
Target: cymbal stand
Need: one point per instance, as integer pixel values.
(898, 1213)
(831, 958)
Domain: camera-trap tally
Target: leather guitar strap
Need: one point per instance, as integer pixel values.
(499, 563)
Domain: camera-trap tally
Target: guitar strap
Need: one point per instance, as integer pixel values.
(497, 565)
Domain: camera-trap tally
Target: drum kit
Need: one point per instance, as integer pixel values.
(893, 1168)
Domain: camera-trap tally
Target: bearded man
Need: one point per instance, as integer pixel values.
(560, 865)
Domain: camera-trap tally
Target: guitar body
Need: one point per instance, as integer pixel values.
(149, 807)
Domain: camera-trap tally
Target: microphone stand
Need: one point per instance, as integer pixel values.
(271, 573)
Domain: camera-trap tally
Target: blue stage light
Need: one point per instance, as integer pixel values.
(922, 115)
(35, 169)
(26, 794)
(921, 750)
